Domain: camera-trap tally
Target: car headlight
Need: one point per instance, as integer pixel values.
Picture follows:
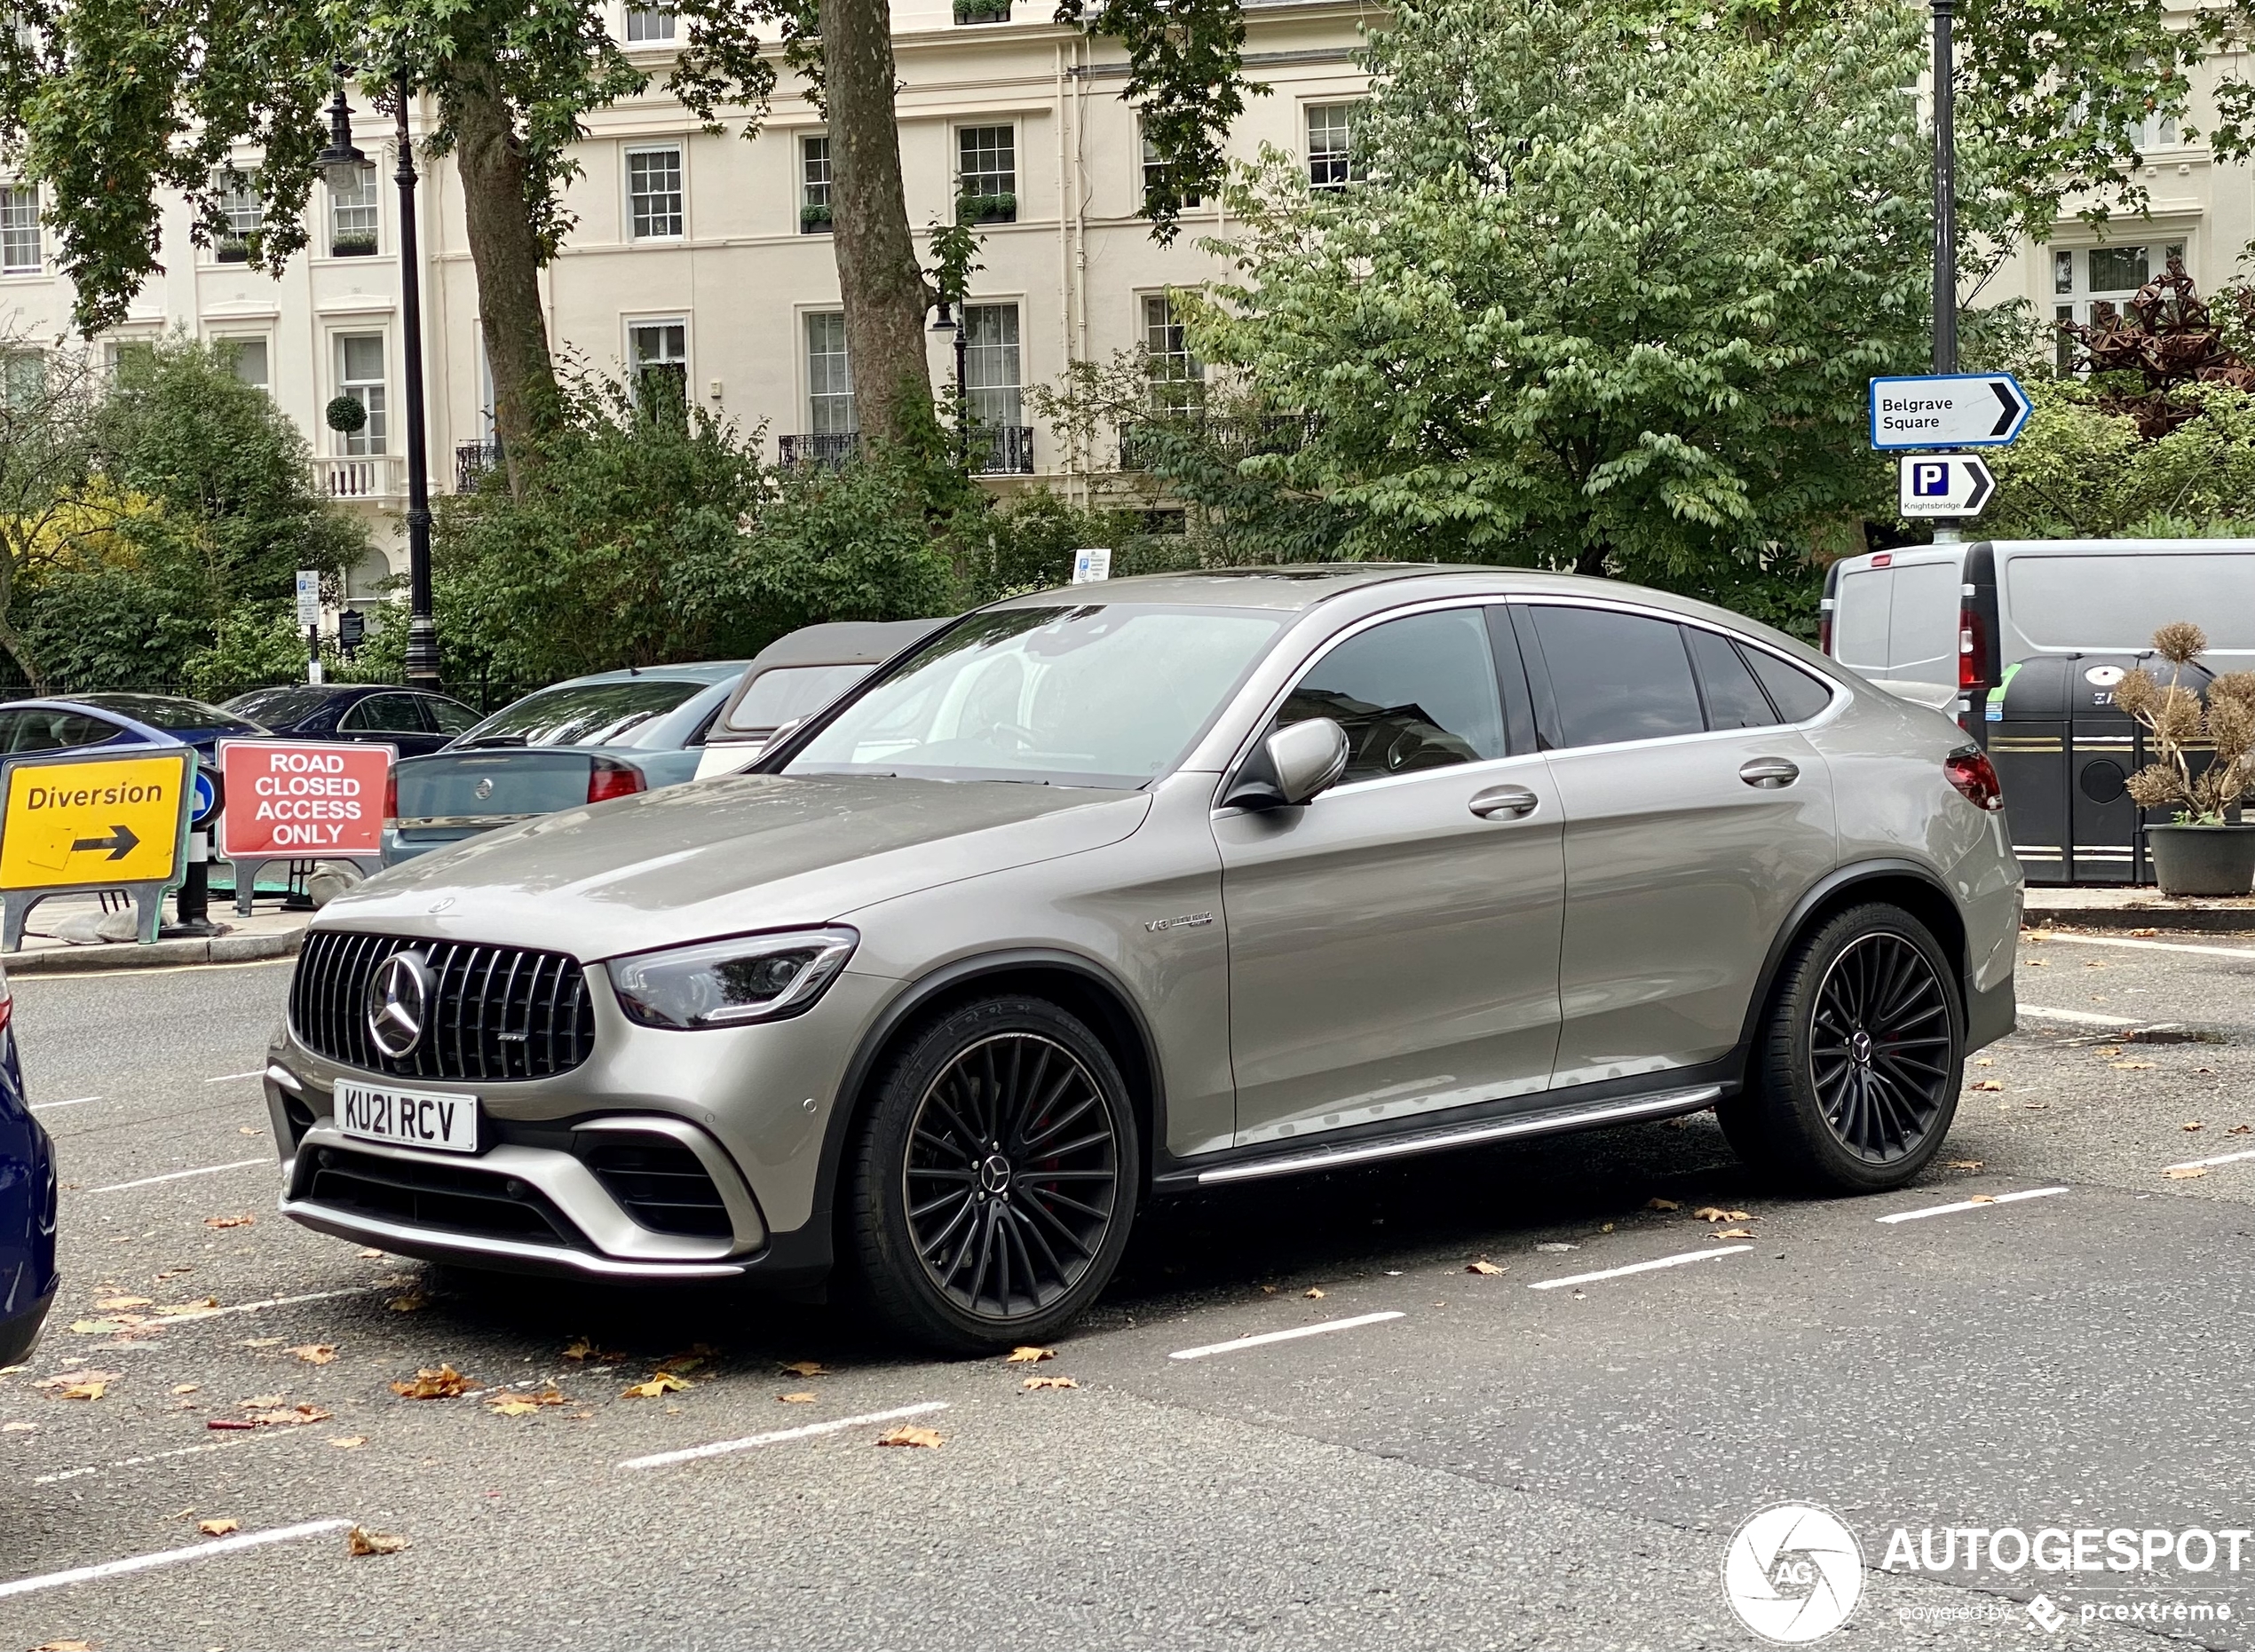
(722, 984)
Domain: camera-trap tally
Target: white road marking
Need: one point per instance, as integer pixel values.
(224, 1077)
(2087, 1017)
(2220, 1159)
(1639, 1267)
(1232, 1346)
(266, 1303)
(2160, 946)
(134, 1462)
(1979, 1204)
(76, 1101)
(178, 1175)
(169, 1557)
(722, 1448)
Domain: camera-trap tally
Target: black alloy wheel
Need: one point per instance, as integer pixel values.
(1012, 1175)
(1878, 1048)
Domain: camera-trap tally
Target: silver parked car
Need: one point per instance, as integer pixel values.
(1176, 882)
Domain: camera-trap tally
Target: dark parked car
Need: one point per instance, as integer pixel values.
(27, 1204)
(609, 735)
(413, 720)
(796, 675)
(78, 721)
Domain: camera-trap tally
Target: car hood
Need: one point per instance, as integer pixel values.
(745, 852)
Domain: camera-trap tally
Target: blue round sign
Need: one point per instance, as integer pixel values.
(206, 801)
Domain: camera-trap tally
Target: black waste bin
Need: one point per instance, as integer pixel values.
(2063, 753)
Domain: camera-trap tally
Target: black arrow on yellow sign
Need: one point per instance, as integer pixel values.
(121, 843)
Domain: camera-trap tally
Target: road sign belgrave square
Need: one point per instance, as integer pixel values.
(1946, 410)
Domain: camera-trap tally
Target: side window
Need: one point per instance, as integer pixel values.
(385, 713)
(52, 730)
(1414, 693)
(1797, 695)
(1615, 676)
(451, 716)
(1734, 700)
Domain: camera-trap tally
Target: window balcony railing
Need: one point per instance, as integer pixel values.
(826, 449)
(472, 460)
(1001, 450)
(372, 475)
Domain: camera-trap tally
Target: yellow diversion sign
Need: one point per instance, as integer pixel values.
(80, 823)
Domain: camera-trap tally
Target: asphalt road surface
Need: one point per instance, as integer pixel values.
(1454, 1458)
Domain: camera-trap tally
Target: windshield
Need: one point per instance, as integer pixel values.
(161, 711)
(1100, 695)
(274, 705)
(585, 714)
(788, 692)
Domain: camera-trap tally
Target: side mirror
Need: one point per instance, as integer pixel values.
(1291, 766)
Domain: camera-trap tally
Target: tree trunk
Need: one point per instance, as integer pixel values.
(878, 275)
(11, 638)
(506, 254)
(1590, 563)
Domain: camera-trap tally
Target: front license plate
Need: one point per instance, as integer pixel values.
(408, 1117)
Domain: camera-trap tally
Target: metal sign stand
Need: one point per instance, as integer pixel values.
(16, 905)
(115, 816)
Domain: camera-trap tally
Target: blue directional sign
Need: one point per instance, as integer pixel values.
(205, 799)
(1946, 410)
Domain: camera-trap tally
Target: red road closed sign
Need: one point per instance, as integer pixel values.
(297, 800)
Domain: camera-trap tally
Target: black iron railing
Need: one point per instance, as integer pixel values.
(472, 460)
(827, 448)
(1001, 450)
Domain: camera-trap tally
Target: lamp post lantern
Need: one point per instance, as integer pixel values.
(341, 163)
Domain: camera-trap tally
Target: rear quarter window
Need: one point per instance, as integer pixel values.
(1797, 695)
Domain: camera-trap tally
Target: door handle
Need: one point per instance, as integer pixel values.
(1515, 800)
(1769, 771)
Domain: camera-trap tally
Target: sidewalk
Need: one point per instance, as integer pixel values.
(2136, 908)
(272, 933)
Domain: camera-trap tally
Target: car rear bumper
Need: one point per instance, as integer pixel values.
(19, 1332)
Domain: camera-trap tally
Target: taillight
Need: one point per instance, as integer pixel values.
(391, 794)
(610, 778)
(1972, 650)
(1974, 776)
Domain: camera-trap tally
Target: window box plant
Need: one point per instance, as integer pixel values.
(814, 217)
(982, 10)
(232, 249)
(997, 208)
(351, 247)
(2205, 849)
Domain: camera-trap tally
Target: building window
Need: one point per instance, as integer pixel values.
(117, 352)
(19, 249)
(658, 353)
(245, 216)
(991, 381)
(352, 217)
(814, 184)
(1155, 174)
(648, 23)
(2087, 281)
(986, 175)
(1176, 376)
(248, 357)
(1331, 145)
(360, 374)
(653, 192)
(23, 378)
(829, 376)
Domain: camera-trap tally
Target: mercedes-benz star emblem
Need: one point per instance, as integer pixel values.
(399, 1002)
(482, 790)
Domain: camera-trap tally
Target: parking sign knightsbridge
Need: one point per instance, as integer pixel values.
(1946, 410)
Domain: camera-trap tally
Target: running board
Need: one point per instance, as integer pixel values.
(1622, 1112)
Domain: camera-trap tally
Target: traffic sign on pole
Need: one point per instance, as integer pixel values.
(309, 598)
(1943, 485)
(1946, 410)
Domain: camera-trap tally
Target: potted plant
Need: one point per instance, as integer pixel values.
(2205, 849)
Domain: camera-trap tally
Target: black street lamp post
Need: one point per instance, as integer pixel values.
(341, 163)
(946, 322)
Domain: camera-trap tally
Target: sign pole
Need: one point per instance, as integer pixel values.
(1945, 189)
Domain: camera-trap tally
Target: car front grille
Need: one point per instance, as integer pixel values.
(498, 1012)
(450, 1198)
(658, 1182)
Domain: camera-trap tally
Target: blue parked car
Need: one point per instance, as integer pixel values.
(27, 1276)
(413, 720)
(75, 722)
(582, 741)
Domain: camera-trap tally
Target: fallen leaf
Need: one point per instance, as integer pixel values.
(796, 1399)
(2129, 1066)
(1963, 1164)
(244, 1221)
(1313, 1290)
(2110, 1050)
(64, 1646)
(2145, 932)
(1028, 1356)
(315, 1352)
(445, 1383)
(682, 1365)
(2092, 963)
(809, 1368)
(83, 1391)
(113, 1304)
(349, 1442)
(584, 1349)
(663, 1383)
(1554, 1246)
(1268, 1290)
(1731, 1233)
(518, 1403)
(1982, 1198)
(1608, 1228)
(2239, 1129)
(371, 1254)
(1662, 1204)
(1715, 1212)
(2036, 963)
(100, 1327)
(249, 1130)
(361, 1542)
(2184, 1173)
(1987, 1084)
(1483, 1266)
(172, 1273)
(2194, 1125)
(19, 1427)
(406, 1304)
(217, 1528)
(1048, 1382)
(909, 1433)
(188, 1387)
(1984, 1061)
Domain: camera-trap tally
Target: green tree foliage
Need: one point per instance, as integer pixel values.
(1609, 296)
(2083, 470)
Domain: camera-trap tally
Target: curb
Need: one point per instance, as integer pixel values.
(221, 949)
(2180, 919)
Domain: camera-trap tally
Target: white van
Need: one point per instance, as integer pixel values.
(1942, 624)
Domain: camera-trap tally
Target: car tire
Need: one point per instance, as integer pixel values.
(992, 1181)
(1853, 1076)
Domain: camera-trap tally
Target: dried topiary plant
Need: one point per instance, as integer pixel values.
(2174, 716)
